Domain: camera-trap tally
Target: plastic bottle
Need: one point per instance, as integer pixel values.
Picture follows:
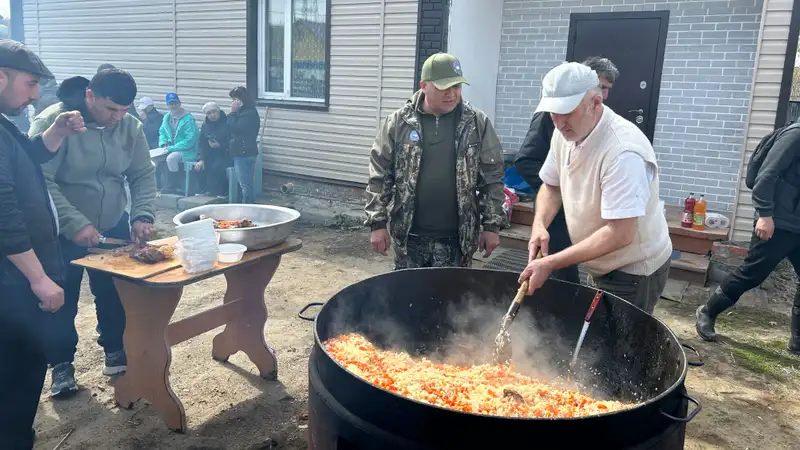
(700, 214)
(688, 211)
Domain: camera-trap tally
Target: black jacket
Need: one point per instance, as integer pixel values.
(243, 126)
(151, 125)
(534, 149)
(776, 192)
(26, 218)
(217, 130)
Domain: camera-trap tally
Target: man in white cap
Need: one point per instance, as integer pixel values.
(603, 170)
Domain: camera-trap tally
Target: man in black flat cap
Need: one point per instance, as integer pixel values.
(30, 259)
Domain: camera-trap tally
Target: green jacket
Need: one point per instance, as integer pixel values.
(87, 176)
(186, 136)
(394, 167)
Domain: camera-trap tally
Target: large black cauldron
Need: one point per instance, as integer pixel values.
(628, 355)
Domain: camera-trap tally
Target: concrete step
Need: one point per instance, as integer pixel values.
(516, 236)
(181, 203)
(690, 267)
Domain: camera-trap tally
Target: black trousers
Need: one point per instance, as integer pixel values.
(559, 240)
(62, 337)
(762, 258)
(214, 178)
(22, 365)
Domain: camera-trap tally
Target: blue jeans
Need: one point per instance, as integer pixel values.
(62, 339)
(245, 167)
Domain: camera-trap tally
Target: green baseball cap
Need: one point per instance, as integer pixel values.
(443, 70)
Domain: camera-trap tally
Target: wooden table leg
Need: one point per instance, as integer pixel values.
(245, 332)
(148, 312)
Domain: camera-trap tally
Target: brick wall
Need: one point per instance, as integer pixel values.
(431, 31)
(705, 85)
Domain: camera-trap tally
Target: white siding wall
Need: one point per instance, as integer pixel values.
(766, 92)
(201, 48)
(370, 66)
(210, 47)
(74, 37)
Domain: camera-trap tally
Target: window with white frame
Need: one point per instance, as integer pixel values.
(292, 63)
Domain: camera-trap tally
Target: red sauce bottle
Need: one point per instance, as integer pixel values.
(688, 211)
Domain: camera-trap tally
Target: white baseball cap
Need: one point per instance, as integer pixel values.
(564, 87)
(144, 102)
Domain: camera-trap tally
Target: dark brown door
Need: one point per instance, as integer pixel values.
(634, 42)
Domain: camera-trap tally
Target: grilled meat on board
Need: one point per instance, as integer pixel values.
(150, 254)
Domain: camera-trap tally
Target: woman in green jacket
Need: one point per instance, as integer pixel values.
(179, 134)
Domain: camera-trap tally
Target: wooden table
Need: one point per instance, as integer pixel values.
(151, 299)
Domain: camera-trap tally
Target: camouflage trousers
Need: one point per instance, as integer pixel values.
(423, 251)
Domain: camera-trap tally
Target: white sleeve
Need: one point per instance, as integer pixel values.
(625, 187)
(549, 171)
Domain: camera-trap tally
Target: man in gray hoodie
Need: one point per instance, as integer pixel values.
(86, 180)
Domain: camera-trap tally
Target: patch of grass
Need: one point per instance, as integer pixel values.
(741, 318)
(778, 346)
(767, 358)
(343, 222)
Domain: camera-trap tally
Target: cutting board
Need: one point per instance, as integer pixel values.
(127, 267)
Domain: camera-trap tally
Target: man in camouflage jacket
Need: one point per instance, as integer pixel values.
(435, 176)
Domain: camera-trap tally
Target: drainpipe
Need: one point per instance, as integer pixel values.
(175, 45)
(378, 117)
(38, 33)
(748, 129)
(17, 27)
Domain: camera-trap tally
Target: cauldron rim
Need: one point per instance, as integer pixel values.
(651, 401)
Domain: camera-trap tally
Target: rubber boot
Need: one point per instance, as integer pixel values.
(707, 314)
(794, 340)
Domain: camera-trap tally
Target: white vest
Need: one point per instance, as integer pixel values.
(580, 192)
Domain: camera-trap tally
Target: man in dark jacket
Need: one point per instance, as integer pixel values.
(243, 124)
(212, 150)
(533, 153)
(776, 235)
(30, 264)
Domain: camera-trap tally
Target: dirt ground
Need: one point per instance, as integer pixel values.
(748, 387)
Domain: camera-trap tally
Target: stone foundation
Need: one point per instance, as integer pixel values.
(778, 288)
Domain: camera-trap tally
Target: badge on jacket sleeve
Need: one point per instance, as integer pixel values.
(414, 136)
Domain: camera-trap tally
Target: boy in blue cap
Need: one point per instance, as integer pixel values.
(179, 135)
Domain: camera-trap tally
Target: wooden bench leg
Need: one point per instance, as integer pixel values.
(147, 313)
(245, 331)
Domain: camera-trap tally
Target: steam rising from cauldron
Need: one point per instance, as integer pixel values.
(462, 333)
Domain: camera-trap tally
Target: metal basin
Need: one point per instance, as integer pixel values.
(274, 223)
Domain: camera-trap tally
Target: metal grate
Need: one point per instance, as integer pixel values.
(515, 260)
(511, 259)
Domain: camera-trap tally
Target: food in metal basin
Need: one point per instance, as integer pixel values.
(491, 389)
(149, 254)
(229, 224)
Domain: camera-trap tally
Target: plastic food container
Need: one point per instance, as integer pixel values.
(199, 230)
(197, 255)
(231, 253)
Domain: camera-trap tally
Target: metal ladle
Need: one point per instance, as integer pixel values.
(502, 343)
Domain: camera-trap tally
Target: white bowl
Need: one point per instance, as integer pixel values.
(231, 253)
